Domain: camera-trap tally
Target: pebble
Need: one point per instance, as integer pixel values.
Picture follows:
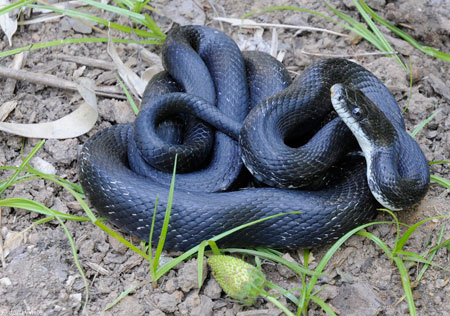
(285, 271)
(62, 151)
(187, 275)
(356, 299)
(123, 113)
(168, 302)
(212, 289)
(117, 245)
(192, 301)
(43, 166)
(156, 312)
(205, 307)
(5, 281)
(171, 286)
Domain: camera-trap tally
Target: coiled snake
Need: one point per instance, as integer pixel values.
(219, 111)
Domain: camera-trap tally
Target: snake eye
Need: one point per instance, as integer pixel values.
(356, 112)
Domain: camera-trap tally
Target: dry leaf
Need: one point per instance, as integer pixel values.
(7, 108)
(72, 125)
(7, 24)
(132, 81)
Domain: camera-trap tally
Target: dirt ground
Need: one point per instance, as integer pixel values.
(39, 276)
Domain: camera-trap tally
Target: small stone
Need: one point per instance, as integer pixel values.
(62, 151)
(212, 289)
(171, 286)
(80, 27)
(43, 166)
(13, 240)
(5, 281)
(59, 206)
(260, 312)
(75, 297)
(187, 275)
(328, 292)
(356, 299)
(437, 300)
(204, 308)
(123, 113)
(285, 271)
(130, 305)
(156, 312)
(117, 245)
(166, 302)
(432, 134)
(440, 283)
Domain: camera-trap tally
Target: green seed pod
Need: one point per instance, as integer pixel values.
(238, 279)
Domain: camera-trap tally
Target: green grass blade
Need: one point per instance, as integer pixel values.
(279, 305)
(381, 39)
(77, 262)
(425, 49)
(101, 21)
(169, 265)
(377, 241)
(24, 163)
(14, 6)
(323, 305)
(446, 244)
(438, 162)
(162, 236)
(287, 293)
(397, 223)
(444, 182)
(151, 24)
(150, 241)
(129, 97)
(402, 241)
(74, 41)
(37, 207)
(424, 123)
(294, 267)
(406, 285)
(124, 294)
(115, 235)
(120, 11)
(200, 256)
(431, 255)
(321, 266)
(38, 175)
(357, 27)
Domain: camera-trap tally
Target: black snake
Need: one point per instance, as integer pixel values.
(218, 110)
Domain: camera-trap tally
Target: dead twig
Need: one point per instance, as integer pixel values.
(349, 55)
(87, 61)
(7, 108)
(10, 84)
(55, 82)
(2, 249)
(252, 24)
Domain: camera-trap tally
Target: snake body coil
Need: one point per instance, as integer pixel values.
(286, 135)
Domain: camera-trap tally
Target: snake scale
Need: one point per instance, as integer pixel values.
(251, 144)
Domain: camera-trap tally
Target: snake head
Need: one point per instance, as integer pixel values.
(364, 118)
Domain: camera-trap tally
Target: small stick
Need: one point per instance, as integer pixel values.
(349, 55)
(91, 62)
(55, 82)
(2, 254)
(16, 64)
(250, 23)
